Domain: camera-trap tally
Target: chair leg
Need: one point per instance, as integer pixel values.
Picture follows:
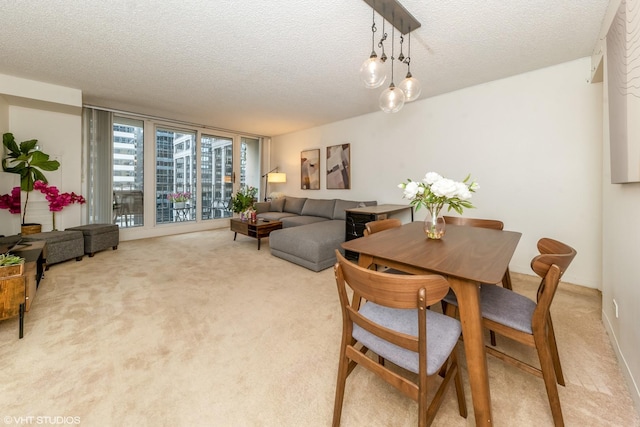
(549, 376)
(506, 280)
(340, 386)
(551, 336)
(462, 402)
(493, 338)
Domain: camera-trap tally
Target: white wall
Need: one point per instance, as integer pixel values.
(621, 270)
(9, 223)
(52, 115)
(532, 141)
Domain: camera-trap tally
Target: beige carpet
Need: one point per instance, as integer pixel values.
(199, 330)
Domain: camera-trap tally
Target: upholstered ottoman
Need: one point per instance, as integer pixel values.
(312, 246)
(61, 245)
(98, 237)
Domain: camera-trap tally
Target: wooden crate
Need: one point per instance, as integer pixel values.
(12, 270)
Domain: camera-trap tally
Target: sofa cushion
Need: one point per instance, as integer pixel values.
(342, 205)
(275, 216)
(277, 205)
(296, 220)
(294, 204)
(319, 207)
(261, 207)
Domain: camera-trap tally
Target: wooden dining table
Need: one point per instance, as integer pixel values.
(467, 256)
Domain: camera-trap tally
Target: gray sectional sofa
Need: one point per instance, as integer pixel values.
(312, 228)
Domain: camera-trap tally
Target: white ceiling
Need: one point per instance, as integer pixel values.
(275, 66)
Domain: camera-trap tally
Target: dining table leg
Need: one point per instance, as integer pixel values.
(468, 296)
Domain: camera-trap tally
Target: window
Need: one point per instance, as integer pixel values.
(128, 172)
(176, 173)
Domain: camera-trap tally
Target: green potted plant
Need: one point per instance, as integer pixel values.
(29, 162)
(244, 199)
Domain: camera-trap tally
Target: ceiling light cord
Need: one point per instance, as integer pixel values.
(392, 99)
(372, 72)
(410, 85)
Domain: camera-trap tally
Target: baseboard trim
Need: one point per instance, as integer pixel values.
(626, 372)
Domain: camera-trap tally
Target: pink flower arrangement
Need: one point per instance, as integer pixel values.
(57, 200)
(11, 201)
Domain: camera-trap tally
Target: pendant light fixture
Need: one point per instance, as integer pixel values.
(392, 99)
(372, 71)
(410, 85)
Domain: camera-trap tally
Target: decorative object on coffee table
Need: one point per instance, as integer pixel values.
(244, 199)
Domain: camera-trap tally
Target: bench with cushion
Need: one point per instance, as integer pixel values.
(61, 245)
(98, 237)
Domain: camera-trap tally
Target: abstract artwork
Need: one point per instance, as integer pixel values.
(339, 166)
(310, 169)
(623, 68)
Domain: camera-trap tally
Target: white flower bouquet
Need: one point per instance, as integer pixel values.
(435, 191)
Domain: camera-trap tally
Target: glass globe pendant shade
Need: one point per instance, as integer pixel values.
(372, 72)
(392, 99)
(411, 88)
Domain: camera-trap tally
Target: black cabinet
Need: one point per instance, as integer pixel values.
(358, 217)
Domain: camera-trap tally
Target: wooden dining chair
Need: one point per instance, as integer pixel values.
(372, 227)
(521, 319)
(381, 225)
(493, 224)
(395, 324)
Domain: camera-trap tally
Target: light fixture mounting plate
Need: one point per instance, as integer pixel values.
(396, 14)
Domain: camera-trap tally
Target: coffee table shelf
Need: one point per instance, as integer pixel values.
(255, 229)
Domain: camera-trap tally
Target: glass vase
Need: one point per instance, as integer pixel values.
(434, 225)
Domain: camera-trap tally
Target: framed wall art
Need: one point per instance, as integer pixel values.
(339, 166)
(623, 70)
(310, 169)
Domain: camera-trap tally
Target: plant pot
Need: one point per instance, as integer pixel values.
(31, 229)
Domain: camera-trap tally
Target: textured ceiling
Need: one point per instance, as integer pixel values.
(273, 67)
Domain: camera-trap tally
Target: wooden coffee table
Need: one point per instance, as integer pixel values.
(256, 229)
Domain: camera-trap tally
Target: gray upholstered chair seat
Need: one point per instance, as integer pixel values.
(442, 334)
(503, 306)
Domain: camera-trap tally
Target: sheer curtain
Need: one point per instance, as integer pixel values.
(97, 141)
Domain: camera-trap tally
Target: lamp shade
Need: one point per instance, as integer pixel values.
(277, 177)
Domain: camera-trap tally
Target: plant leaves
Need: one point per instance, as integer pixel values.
(9, 141)
(27, 146)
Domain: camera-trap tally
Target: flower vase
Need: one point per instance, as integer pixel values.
(434, 225)
(179, 205)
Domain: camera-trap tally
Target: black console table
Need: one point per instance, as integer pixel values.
(358, 217)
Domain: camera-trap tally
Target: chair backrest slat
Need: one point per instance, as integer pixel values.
(381, 225)
(391, 290)
(493, 224)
